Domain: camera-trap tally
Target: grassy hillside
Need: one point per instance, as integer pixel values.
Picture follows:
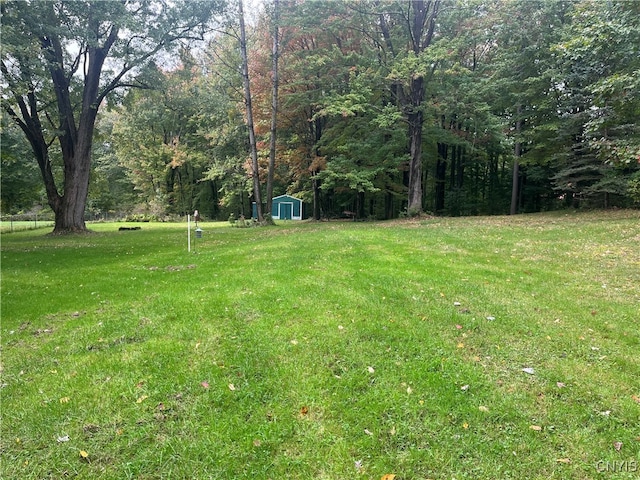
(496, 347)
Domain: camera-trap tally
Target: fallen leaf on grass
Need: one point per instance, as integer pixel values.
(529, 370)
(368, 432)
(204, 384)
(536, 428)
(464, 388)
(371, 369)
(388, 476)
(142, 398)
(482, 408)
(635, 398)
(232, 387)
(460, 345)
(459, 327)
(617, 446)
(64, 400)
(304, 410)
(564, 460)
(84, 455)
(63, 439)
(560, 384)
(465, 425)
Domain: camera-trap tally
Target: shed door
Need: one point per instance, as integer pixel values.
(286, 211)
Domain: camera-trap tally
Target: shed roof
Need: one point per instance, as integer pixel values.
(287, 196)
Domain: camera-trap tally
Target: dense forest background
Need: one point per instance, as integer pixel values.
(475, 107)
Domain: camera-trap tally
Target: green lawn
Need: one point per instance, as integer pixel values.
(334, 350)
(9, 226)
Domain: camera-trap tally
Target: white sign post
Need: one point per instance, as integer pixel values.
(189, 233)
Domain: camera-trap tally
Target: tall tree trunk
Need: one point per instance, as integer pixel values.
(421, 29)
(454, 167)
(249, 111)
(416, 120)
(69, 216)
(461, 166)
(316, 128)
(76, 139)
(274, 107)
(440, 176)
(317, 211)
(515, 181)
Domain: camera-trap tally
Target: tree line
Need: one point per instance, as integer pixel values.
(376, 108)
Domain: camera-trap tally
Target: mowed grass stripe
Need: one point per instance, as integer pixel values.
(325, 350)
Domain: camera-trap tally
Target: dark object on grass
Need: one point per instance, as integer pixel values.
(129, 228)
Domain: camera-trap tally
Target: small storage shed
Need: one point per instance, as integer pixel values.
(284, 207)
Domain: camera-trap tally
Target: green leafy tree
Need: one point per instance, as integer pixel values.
(222, 124)
(143, 143)
(312, 67)
(275, 54)
(159, 140)
(599, 61)
(61, 60)
(249, 118)
(111, 191)
(20, 188)
(607, 37)
(408, 31)
(335, 79)
(519, 69)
